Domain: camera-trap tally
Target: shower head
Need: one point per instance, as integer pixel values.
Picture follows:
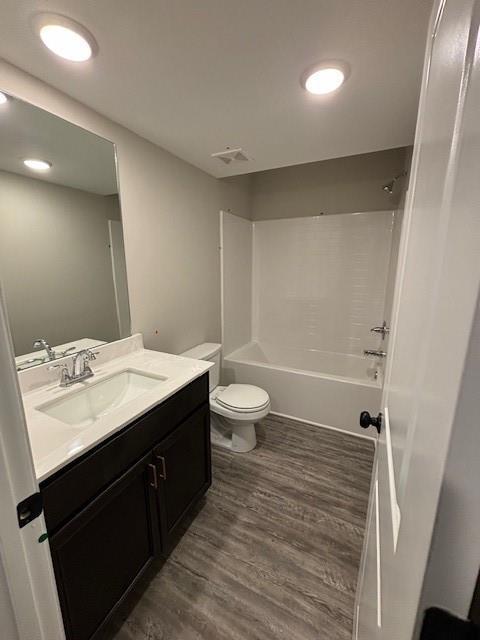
(389, 187)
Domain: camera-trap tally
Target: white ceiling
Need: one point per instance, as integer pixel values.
(79, 158)
(196, 76)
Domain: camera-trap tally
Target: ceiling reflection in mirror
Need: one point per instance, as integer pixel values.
(62, 260)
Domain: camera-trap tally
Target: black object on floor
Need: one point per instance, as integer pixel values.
(440, 625)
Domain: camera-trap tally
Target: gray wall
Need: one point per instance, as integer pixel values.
(171, 224)
(55, 262)
(342, 185)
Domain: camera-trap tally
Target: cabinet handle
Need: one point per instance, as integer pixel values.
(163, 474)
(152, 470)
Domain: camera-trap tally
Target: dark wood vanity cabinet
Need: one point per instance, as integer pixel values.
(100, 552)
(184, 472)
(119, 507)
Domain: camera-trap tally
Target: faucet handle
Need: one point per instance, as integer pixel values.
(92, 355)
(384, 330)
(64, 375)
(67, 351)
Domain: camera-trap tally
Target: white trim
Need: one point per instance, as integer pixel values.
(379, 556)
(394, 508)
(253, 289)
(122, 331)
(367, 533)
(324, 215)
(26, 563)
(222, 279)
(326, 426)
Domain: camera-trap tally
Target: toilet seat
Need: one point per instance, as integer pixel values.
(233, 414)
(243, 398)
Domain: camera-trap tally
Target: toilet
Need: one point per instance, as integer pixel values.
(234, 409)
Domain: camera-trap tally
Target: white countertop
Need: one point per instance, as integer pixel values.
(55, 444)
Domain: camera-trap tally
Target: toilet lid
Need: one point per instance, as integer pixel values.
(243, 397)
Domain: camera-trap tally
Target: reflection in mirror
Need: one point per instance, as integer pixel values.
(62, 260)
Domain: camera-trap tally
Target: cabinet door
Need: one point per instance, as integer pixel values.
(183, 462)
(104, 549)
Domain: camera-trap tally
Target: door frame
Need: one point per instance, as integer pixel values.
(25, 559)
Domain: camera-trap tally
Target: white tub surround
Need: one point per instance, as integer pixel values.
(151, 377)
(319, 283)
(342, 366)
(236, 246)
(297, 320)
(331, 390)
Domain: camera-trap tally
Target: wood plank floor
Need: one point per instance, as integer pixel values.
(274, 550)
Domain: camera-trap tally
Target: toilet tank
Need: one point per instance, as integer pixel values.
(210, 351)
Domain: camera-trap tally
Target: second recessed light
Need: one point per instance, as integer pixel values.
(325, 78)
(65, 37)
(37, 165)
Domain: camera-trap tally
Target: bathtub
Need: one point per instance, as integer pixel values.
(328, 389)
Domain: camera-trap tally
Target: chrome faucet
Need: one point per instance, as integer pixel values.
(41, 343)
(81, 370)
(378, 353)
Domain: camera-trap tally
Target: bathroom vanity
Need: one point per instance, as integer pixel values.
(116, 490)
(118, 434)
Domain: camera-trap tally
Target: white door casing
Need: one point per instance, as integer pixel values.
(435, 298)
(27, 585)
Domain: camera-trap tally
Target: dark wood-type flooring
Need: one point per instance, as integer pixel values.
(274, 549)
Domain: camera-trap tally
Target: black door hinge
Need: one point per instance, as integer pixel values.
(29, 509)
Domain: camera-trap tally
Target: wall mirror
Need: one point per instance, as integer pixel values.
(62, 260)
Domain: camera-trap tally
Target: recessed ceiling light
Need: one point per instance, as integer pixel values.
(3, 98)
(325, 78)
(65, 37)
(37, 165)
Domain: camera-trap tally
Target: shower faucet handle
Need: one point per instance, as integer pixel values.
(384, 330)
(377, 353)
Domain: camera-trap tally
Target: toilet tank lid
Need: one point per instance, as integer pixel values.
(203, 351)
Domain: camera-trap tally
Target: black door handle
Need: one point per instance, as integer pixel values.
(366, 420)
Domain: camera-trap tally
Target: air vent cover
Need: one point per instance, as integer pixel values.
(231, 155)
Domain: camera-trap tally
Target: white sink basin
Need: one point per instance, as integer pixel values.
(85, 406)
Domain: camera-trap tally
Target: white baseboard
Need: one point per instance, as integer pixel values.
(326, 426)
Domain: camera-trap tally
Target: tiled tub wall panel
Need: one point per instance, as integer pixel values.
(320, 282)
(236, 242)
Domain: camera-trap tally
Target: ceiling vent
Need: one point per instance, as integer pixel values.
(231, 155)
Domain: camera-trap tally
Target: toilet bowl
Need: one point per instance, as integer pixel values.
(234, 409)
